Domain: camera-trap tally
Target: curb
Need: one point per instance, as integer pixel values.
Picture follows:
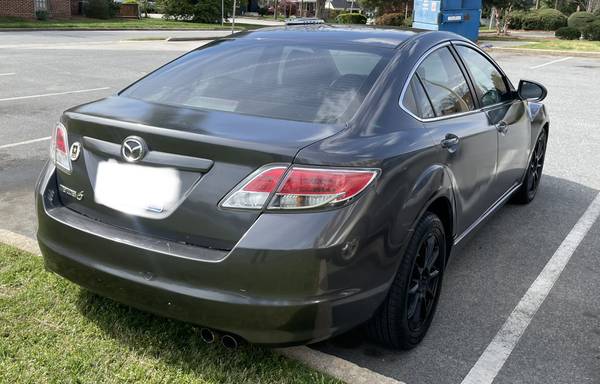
(553, 52)
(180, 39)
(19, 241)
(328, 364)
(335, 367)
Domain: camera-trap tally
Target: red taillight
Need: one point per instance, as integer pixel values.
(315, 187)
(302, 188)
(61, 140)
(59, 151)
(253, 193)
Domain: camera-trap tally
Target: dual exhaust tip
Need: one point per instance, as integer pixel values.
(228, 341)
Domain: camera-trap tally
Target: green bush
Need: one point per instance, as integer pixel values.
(100, 9)
(597, 12)
(351, 18)
(544, 19)
(567, 33)
(202, 11)
(41, 15)
(580, 19)
(592, 31)
(516, 19)
(394, 19)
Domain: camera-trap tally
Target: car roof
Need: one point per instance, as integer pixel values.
(374, 36)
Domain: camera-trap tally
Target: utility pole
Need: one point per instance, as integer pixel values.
(222, 12)
(233, 18)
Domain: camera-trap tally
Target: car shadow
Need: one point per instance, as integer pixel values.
(485, 279)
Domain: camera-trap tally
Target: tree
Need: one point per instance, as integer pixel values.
(501, 9)
(384, 6)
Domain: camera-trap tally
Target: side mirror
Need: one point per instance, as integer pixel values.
(532, 91)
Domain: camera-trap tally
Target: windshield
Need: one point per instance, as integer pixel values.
(277, 79)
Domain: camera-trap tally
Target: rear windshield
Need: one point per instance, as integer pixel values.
(277, 79)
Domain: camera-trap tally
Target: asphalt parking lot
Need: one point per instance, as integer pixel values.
(43, 73)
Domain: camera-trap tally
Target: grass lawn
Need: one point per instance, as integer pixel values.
(51, 331)
(86, 23)
(566, 45)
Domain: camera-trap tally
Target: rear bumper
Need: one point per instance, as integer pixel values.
(286, 282)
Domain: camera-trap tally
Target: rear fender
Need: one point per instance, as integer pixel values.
(434, 183)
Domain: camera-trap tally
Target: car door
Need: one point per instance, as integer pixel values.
(440, 95)
(505, 112)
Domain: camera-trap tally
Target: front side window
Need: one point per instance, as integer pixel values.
(445, 84)
(277, 79)
(488, 80)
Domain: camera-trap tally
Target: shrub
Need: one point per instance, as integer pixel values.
(204, 11)
(351, 18)
(100, 9)
(592, 31)
(544, 19)
(568, 33)
(394, 19)
(516, 19)
(41, 15)
(263, 11)
(597, 12)
(580, 19)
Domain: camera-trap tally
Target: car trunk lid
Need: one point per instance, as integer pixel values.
(193, 158)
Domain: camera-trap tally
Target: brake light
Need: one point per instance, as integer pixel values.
(59, 151)
(314, 187)
(302, 188)
(253, 194)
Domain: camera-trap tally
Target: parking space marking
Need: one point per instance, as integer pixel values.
(7, 74)
(54, 94)
(551, 62)
(498, 351)
(24, 142)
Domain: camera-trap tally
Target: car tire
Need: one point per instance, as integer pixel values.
(533, 176)
(395, 324)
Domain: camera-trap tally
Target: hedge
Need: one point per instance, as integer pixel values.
(597, 12)
(351, 18)
(568, 33)
(592, 31)
(100, 9)
(393, 19)
(206, 11)
(580, 19)
(544, 19)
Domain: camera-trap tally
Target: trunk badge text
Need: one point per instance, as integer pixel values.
(71, 192)
(133, 149)
(75, 151)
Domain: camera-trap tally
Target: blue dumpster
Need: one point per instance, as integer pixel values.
(458, 16)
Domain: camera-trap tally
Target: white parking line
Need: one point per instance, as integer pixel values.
(551, 62)
(498, 351)
(7, 74)
(24, 142)
(54, 94)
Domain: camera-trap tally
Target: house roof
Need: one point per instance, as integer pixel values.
(343, 4)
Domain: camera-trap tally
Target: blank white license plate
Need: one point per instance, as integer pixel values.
(137, 190)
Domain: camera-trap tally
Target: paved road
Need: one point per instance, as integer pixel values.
(484, 281)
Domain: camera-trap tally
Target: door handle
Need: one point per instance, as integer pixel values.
(502, 127)
(450, 142)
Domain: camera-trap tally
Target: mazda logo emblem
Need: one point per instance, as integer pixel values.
(133, 149)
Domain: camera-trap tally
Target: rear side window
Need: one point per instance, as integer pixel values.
(488, 80)
(416, 101)
(271, 78)
(445, 84)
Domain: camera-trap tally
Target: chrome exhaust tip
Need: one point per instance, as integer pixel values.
(229, 342)
(208, 335)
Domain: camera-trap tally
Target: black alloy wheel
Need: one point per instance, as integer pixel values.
(528, 190)
(405, 315)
